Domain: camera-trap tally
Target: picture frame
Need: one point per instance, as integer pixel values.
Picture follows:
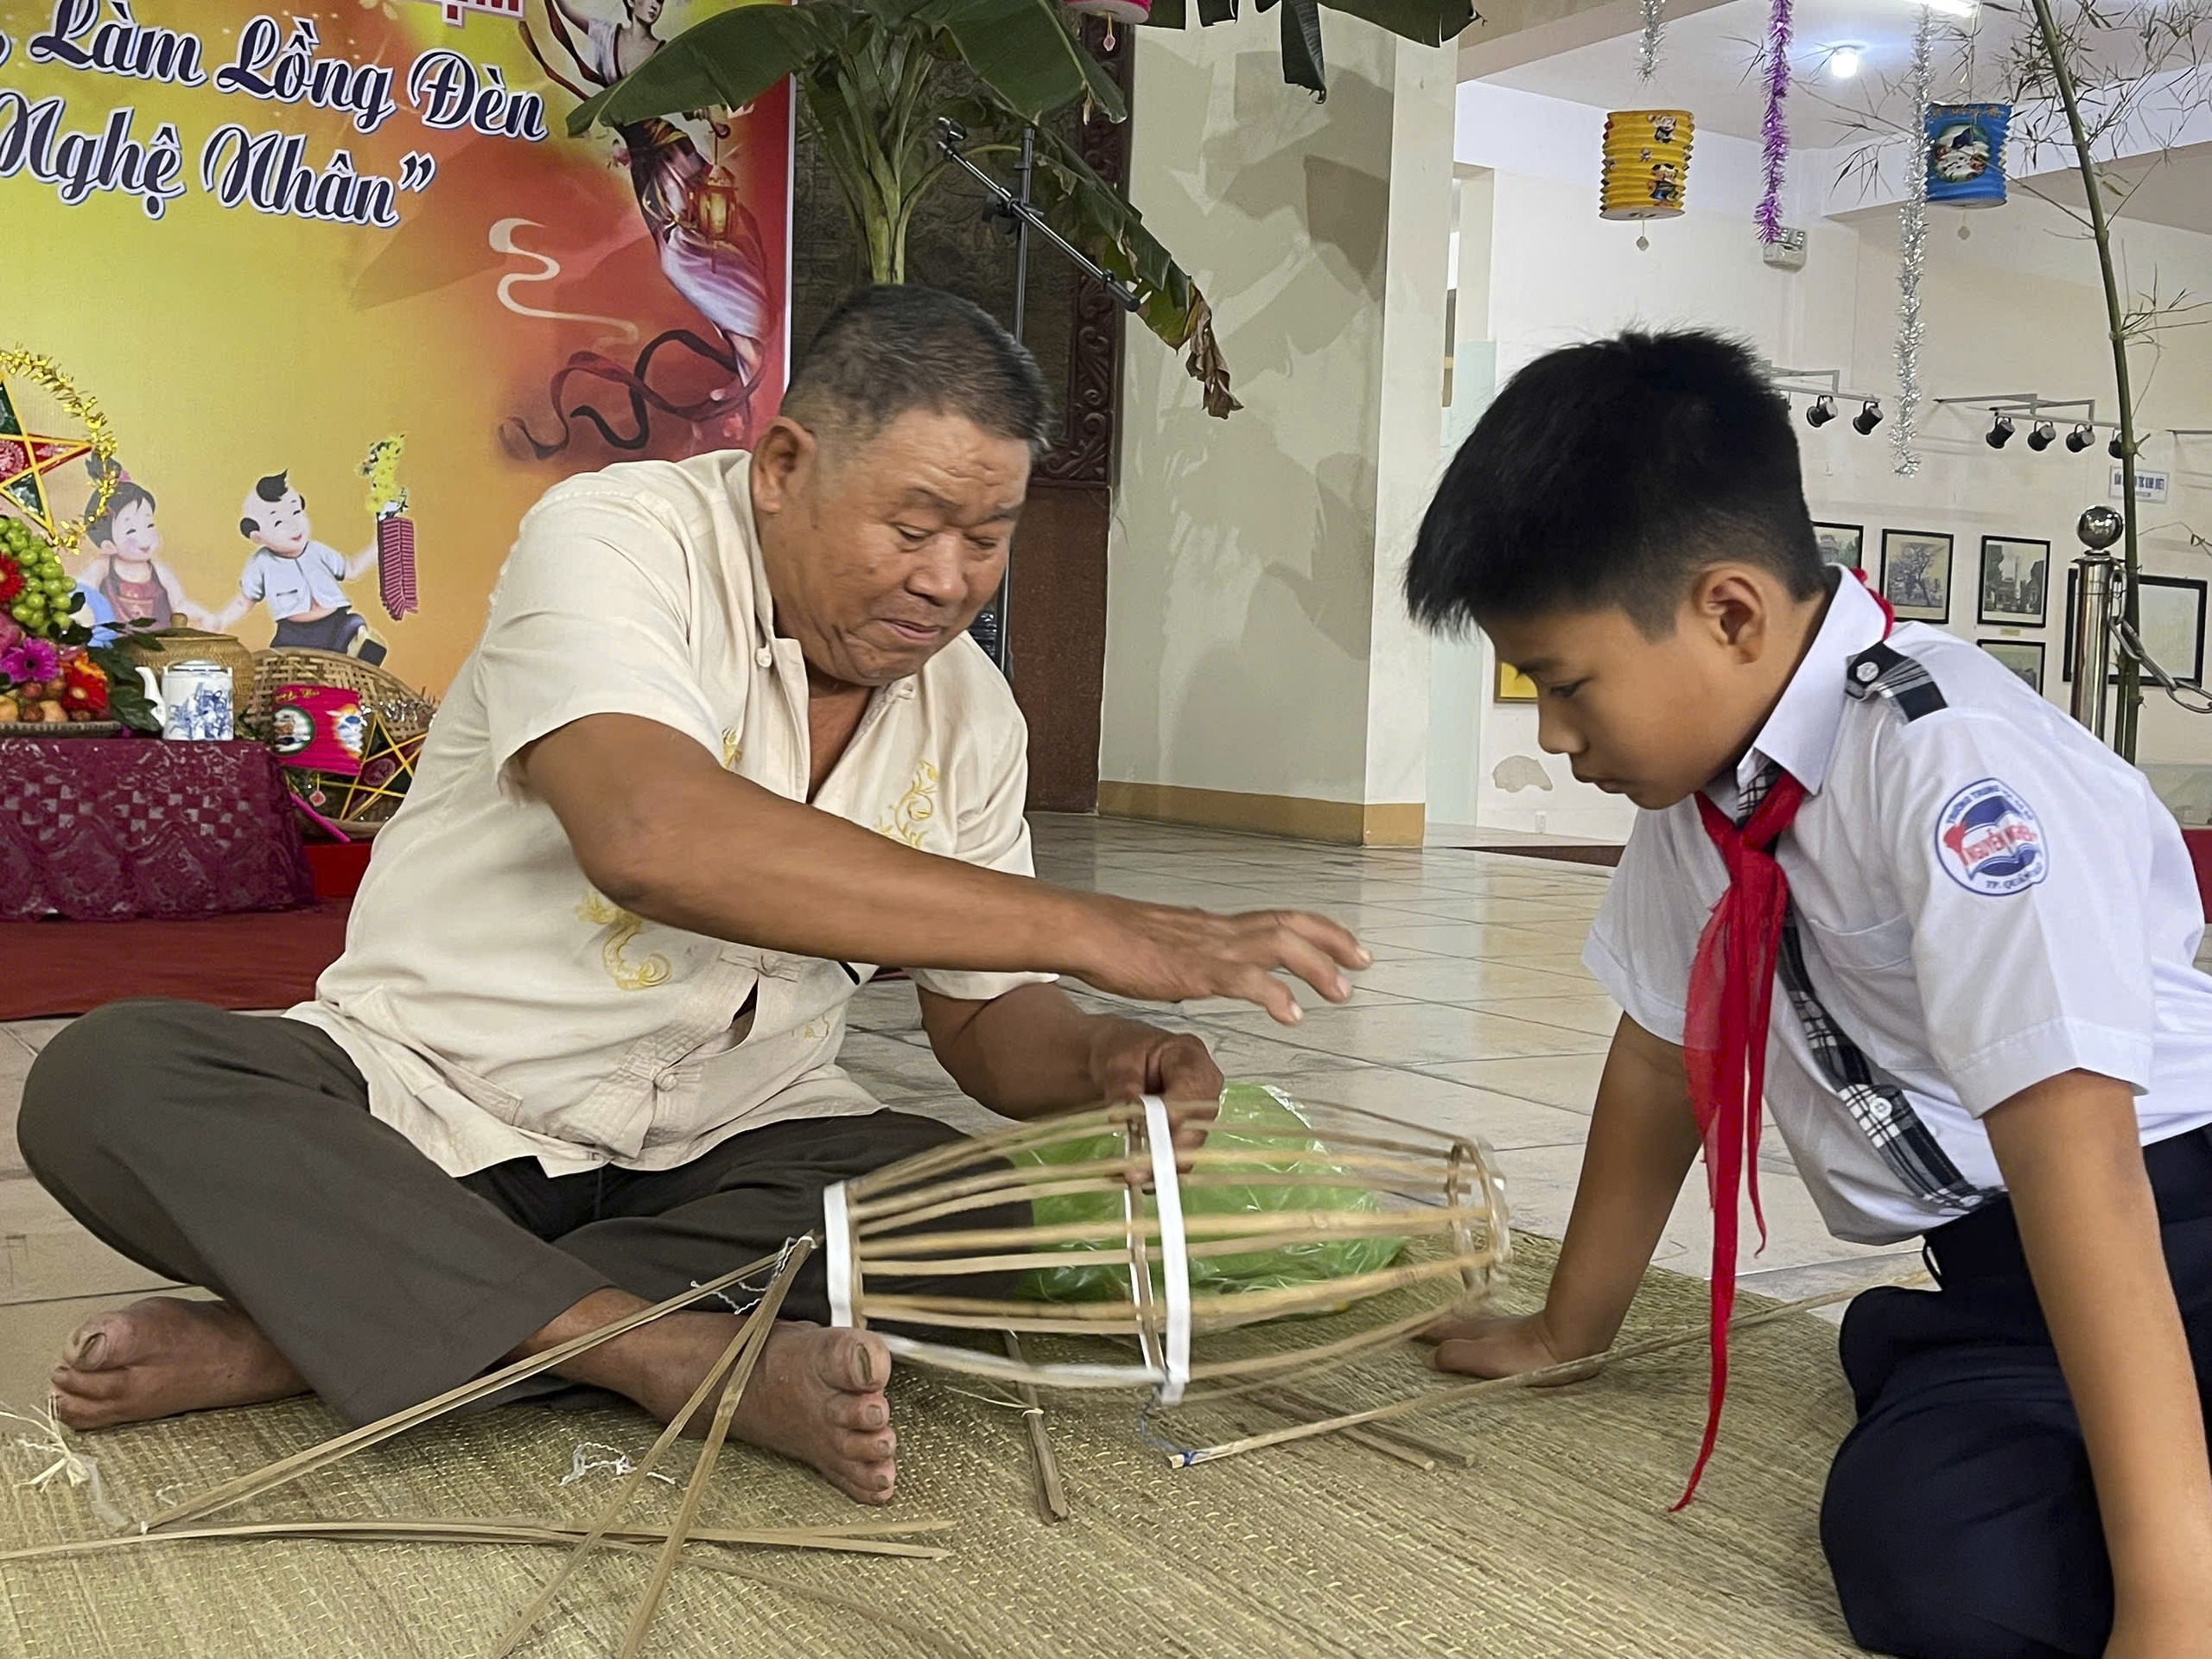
(1916, 574)
(2023, 657)
(1514, 686)
(1843, 545)
(2172, 609)
(2015, 584)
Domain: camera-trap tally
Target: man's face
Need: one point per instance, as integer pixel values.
(880, 555)
(133, 535)
(1653, 720)
(284, 526)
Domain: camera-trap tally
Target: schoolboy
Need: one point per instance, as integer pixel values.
(1977, 928)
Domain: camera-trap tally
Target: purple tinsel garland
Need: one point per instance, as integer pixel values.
(1774, 130)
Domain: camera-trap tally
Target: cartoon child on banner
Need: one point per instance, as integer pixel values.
(299, 577)
(124, 581)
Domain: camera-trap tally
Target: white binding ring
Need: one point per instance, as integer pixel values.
(838, 1254)
(1174, 1255)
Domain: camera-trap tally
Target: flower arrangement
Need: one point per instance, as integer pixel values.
(50, 672)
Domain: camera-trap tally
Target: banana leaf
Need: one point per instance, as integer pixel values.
(1023, 51)
(726, 62)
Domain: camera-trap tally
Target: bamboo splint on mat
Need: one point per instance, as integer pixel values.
(1051, 1496)
(1566, 1371)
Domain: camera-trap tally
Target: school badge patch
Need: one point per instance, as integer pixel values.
(1988, 841)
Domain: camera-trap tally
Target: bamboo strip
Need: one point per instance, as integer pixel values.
(286, 1470)
(748, 1329)
(1107, 1173)
(960, 1154)
(1309, 1407)
(1241, 1235)
(1568, 1371)
(1223, 1224)
(871, 1225)
(762, 1322)
(409, 1529)
(1051, 1496)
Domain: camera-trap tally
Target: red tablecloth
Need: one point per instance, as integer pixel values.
(101, 830)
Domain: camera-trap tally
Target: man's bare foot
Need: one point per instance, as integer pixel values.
(164, 1355)
(816, 1394)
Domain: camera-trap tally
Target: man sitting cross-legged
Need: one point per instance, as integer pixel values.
(725, 745)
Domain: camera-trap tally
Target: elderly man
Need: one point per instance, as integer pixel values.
(724, 746)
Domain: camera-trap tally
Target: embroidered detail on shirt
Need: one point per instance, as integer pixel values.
(617, 928)
(1881, 670)
(1881, 1108)
(1987, 840)
(908, 819)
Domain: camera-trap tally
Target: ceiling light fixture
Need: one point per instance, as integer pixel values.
(2040, 439)
(2113, 448)
(1821, 411)
(1844, 62)
(2000, 430)
(2079, 438)
(1868, 417)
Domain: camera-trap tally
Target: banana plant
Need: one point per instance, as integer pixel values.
(1424, 22)
(870, 72)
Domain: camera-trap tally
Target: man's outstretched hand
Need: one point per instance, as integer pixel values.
(1160, 954)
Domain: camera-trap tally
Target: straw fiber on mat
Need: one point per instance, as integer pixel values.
(1556, 1541)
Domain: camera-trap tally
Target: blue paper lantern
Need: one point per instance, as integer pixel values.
(1966, 154)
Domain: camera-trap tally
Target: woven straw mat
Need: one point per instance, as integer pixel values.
(1556, 1541)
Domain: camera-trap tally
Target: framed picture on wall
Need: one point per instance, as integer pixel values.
(1916, 574)
(2023, 657)
(1514, 686)
(2172, 609)
(1843, 545)
(2015, 581)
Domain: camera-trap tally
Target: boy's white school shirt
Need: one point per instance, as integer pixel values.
(1984, 897)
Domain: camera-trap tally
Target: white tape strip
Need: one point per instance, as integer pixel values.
(1174, 1254)
(838, 1258)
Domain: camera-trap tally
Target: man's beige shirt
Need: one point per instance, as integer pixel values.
(497, 1005)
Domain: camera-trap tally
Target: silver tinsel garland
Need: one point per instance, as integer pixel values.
(1912, 249)
(1647, 48)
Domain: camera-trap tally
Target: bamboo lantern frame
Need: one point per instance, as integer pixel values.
(1440, 1191)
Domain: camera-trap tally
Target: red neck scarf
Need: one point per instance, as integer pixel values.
(1724, 1039)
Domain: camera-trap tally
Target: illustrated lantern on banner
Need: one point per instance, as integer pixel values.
(1966, 154)
(1647, 163)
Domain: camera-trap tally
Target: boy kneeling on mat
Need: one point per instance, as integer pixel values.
(1964, 933)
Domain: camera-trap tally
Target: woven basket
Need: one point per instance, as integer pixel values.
(405, 710)
(158, 651)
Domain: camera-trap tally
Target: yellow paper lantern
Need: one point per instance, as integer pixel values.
(1647, 163)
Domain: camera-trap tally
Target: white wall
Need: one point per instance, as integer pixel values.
(2014, 308)
(1251, 646)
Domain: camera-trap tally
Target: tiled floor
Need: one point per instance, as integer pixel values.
(1477, 1016)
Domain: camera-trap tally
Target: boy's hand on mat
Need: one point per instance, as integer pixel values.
(1498, 1346)
(1162, 954)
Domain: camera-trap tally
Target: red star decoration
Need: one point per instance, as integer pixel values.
(25, 459)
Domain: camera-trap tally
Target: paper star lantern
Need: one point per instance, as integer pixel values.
(28, 454)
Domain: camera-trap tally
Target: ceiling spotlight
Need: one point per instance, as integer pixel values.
(2040, 439)
(2000, 430)
(2079, 438)
(2113, 448)
(1844, 62)
(1821, 411)
(1868, 417)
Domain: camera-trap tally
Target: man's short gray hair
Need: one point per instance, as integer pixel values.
(897, 348)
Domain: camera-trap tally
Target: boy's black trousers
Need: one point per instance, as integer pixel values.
(1960, 1518)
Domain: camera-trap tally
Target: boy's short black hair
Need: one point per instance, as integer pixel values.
(1608, 476)
(272, 489)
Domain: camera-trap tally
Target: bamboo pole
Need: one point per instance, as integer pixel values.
(1051, 1496)
(286, 1470)
(2126, 715)
(762, 1322)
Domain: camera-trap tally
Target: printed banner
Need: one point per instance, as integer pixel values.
(350, 298)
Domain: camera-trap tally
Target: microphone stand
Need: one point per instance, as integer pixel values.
(1014, 205)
